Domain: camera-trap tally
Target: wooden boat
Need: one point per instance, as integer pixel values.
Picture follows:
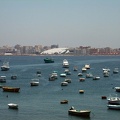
(81, 79)
(65, 63)
(5, 66)
(80, 113)
(64, 102)
(34, 82)
(48, 60)
(2, 79)
(13, 106)
(117, 89)
(11, 89)
(115, 107)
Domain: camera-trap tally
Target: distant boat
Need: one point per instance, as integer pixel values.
(34, 82)
(5, 66)
(48, 60)
(64, 102)
(117, 89)
(64, 83)
(115, 107)
(11, 89)
(65, 63)
(87, 66)
(2, 79)
(13, 77)
(13, 106)
(80, 113)
(84, 69)
(115, 71)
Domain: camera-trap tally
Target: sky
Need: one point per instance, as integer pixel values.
(67, 23)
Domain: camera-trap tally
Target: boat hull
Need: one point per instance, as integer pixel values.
(82, 113)
(10, 89)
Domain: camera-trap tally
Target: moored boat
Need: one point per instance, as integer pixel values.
(49, 60)
(65, 63)
(80, 113)
(64, 83)
(34, 82)
(87, 66)
(117, 89)
(5, 66)
(13, 106)
(115, 107)
(2, 79)
(64, 102)
(11, 89)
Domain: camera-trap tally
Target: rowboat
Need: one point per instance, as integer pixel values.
(11, 89)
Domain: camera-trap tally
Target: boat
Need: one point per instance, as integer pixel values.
(13, 77)
(106, 69)
(64, 102)
(89, 75)
(84, 69)
(115, 71)
(34, 82)
(49, 60)
(80, 74)
(53, 76)
(13, 106)
(81, 79)
(113, 100)
(11, 89)
(5, 66)
(68, 80)
(81, 91)
(106, 73)
(38, 73)
(65, 63)
(64, 83)
(75, 68)
(115, 107)
(80, 113)
(2, 79)
(96, 77)
(87, 66)
(63, 75)
(117, 89)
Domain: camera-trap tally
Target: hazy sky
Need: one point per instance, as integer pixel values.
(68, 23)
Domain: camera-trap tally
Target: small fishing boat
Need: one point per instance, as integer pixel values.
(117, 89)
(5, 66)
(13, 106)
(49, 60)
(80, 113)
(2, 79)
(34, 82)
(64, 102)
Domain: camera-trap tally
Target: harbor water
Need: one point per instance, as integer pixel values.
(43, 102)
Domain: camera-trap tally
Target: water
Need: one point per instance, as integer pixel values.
(43, 101)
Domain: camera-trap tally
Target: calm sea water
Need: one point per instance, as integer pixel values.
(43, 102)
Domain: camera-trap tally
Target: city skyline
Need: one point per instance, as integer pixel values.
(67, 23)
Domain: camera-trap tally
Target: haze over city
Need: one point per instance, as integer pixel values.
(68, 23)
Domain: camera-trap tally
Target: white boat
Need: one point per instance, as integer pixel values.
(65, 63)
(117, 89)
(5, 66)
(114, 100)
(89, 75)
(80, 74)
(87, 66)
(84, 69)
(2, 79)
(96, 77)
(115, 71)
(68, 80)
(115, 107)
(34, 82)
(64, 83)
(106, 69)
(63, 75)
(13, 106)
